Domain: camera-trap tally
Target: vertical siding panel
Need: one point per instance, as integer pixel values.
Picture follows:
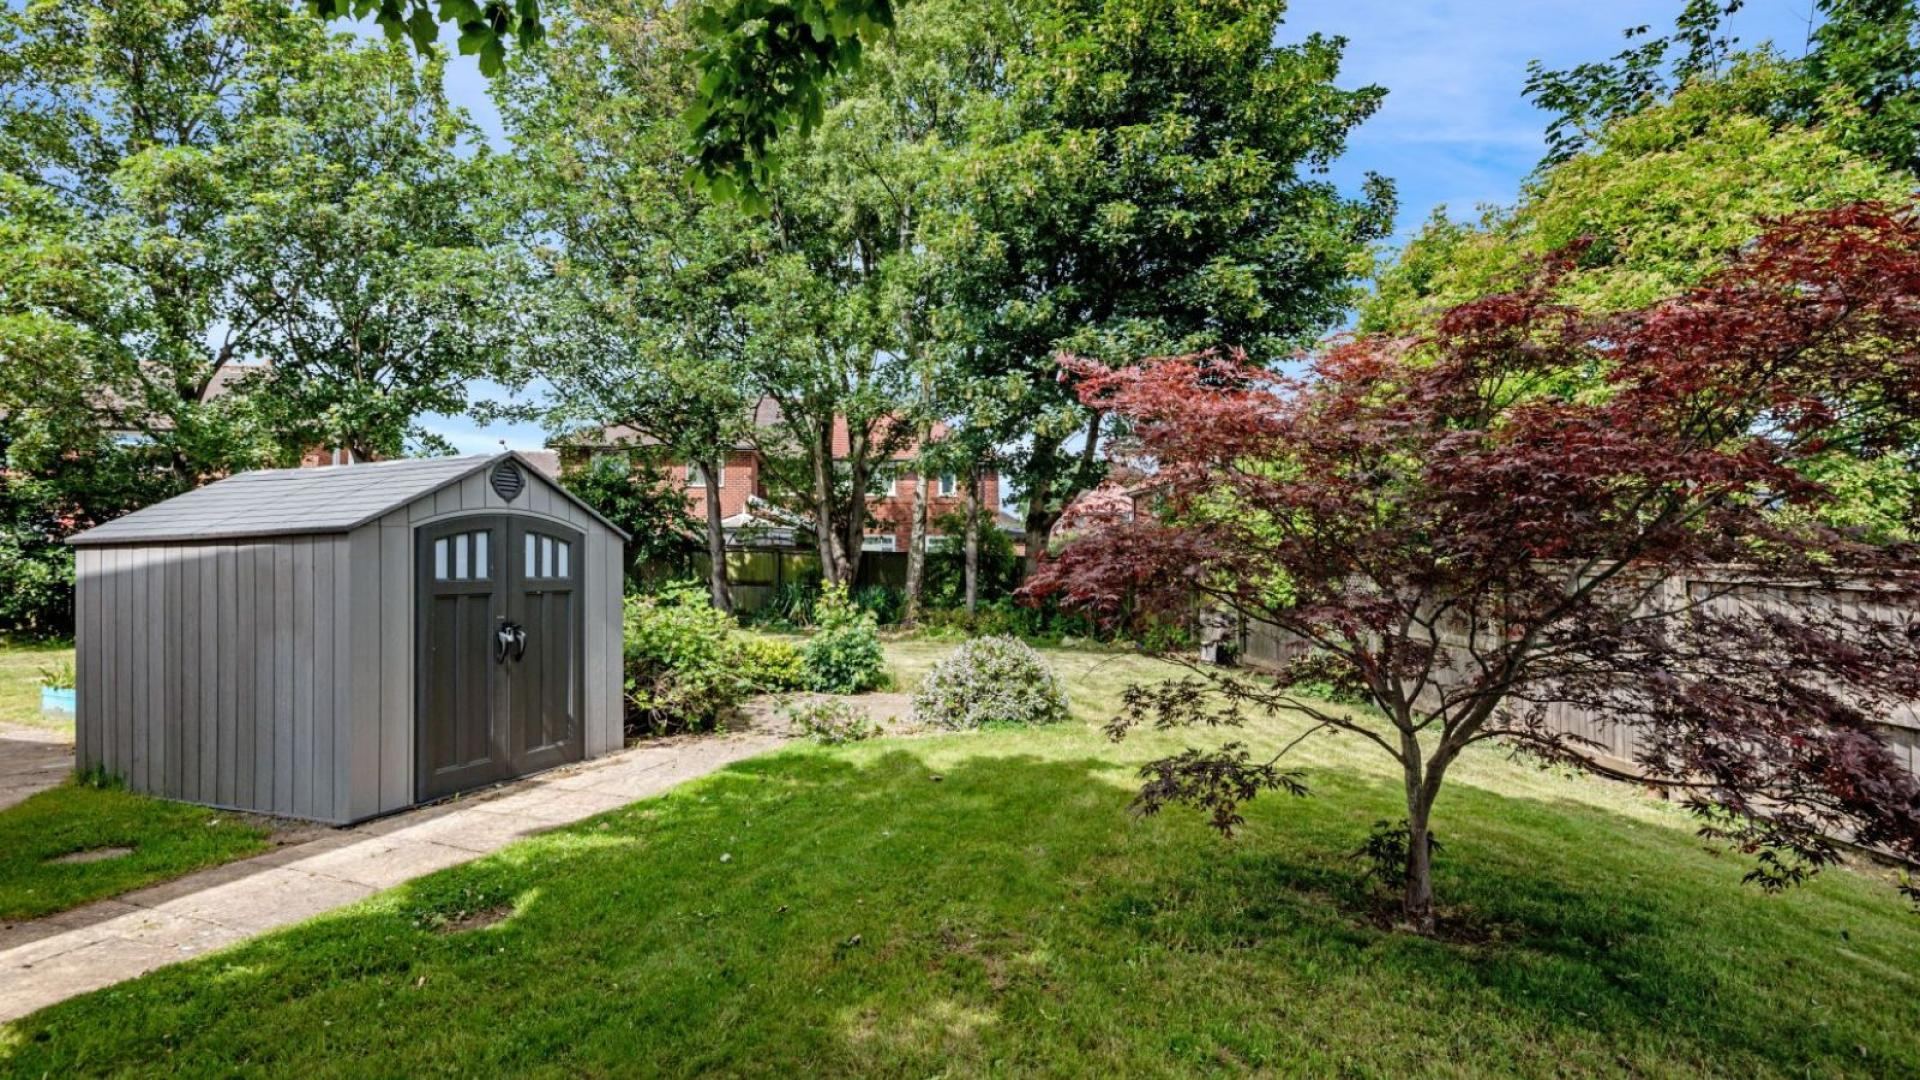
(340, 719)
(202, 593)
(294, 658)
(121, 724)
(133, 603)
(300, 551)
(266, 591)
(87, 657)
(168, 731)
(247, 663)
(608, 638)
(140, 698)
(283, 678)
(321, 764)
(227, 655)
(446, 500)
(594, 661)
(363, 563)
(396, 666)
(182, 676)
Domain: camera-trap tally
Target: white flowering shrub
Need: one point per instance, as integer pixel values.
(990, 682)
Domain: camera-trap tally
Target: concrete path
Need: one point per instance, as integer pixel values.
(32, 760)
(65, 955)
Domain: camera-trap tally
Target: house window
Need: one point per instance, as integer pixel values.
(949, 484)
(880, 484)
(877, 542)
(697, 476)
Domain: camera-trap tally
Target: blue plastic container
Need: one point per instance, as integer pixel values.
(59, 703)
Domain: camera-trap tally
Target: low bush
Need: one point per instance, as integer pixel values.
(683, 663)
(990, 682)
(770, 665)
(830, 721)
(58, 676)
(843, 655)
(884, 602)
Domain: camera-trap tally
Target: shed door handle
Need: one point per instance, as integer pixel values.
(504, 640)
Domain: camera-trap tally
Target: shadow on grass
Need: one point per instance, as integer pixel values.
(818, 912)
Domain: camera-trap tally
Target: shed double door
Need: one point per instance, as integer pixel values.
(501, 672)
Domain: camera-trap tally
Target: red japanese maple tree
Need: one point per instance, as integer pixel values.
(1478, 525)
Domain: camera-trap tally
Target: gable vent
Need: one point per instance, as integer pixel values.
(507, 481)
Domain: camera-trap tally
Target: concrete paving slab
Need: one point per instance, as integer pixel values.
(383, 862)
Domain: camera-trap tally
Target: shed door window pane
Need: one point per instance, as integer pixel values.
(461, 557)
(560, 570)
(531, 567)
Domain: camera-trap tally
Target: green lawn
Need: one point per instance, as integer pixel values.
(985, 904)
(167, 840)
(20, 664)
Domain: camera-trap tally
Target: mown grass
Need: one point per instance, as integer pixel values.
(167, 840)
(20, 664)
(985, 903)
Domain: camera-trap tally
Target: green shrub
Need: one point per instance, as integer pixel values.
(843, 655)
(59, 676)
(683, 662)
(830, 721)
(990, 682)
(770, 665)
(884, 602)
(791, 604)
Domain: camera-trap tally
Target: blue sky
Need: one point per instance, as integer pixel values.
(1454, 130)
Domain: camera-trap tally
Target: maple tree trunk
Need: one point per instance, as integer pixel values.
(716, 540)
(1417, 903)
(973, 541)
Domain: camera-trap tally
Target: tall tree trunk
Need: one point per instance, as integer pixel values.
(832, 566)
(859, 471)
(1039, 529)
(973, 540)
(1042, 516)
(916, 548)
(711, 476)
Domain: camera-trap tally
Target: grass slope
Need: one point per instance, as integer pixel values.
(168, 839)
(985, 904)
(20, 664)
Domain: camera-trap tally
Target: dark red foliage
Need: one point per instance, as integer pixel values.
(1493, 520)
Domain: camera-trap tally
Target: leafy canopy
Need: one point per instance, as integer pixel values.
(1476, 538)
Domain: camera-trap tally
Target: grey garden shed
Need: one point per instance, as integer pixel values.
(344, 642)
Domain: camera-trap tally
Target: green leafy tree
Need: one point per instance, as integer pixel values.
(1140, 181)
(1859, 75)
(1665, 196)
(201, 200)
(764, 66)
(630, 490)
(1657, 201)
(640, 281)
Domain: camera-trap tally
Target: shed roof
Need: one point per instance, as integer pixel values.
(290, 502)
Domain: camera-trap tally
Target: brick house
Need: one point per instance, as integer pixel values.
(752, 517)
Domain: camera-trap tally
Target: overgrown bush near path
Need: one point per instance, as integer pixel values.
(688, 665)
(830, 721)
(843, 656)
(990, 682)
